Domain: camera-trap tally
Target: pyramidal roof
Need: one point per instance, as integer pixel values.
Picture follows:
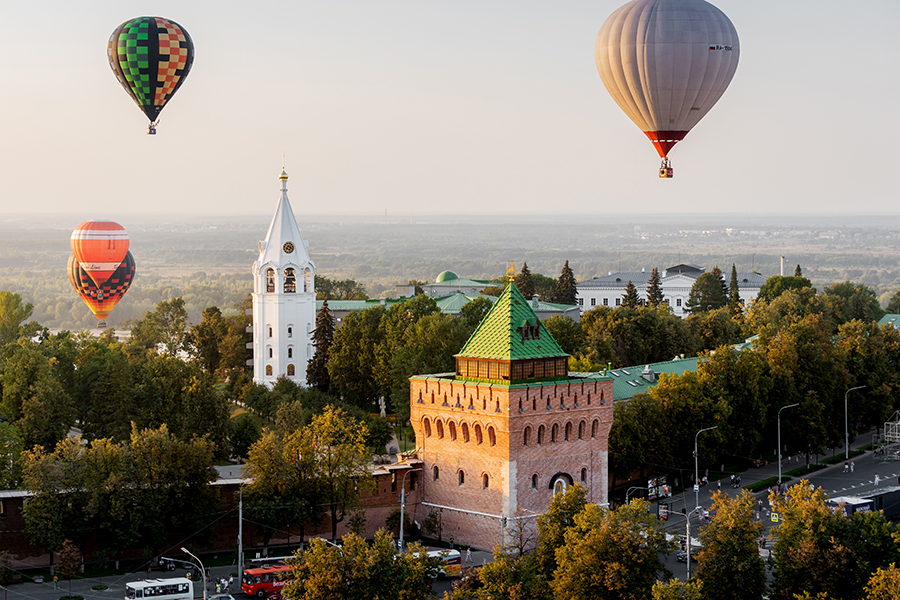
(283, 229)
(499, 335)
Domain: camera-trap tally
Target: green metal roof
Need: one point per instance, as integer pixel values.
(889, 319)
(452, 303)
(446, 276)
(358, 304)
(498, 335)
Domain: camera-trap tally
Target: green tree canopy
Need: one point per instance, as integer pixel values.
(322, 338)
(706, 294)
(730, 551)
(630, 298)
(777, 285)
(655, 295)
(344, 289)
(13, 314)
(524, 282)
(566, 291)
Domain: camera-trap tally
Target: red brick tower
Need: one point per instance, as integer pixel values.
(511, 427)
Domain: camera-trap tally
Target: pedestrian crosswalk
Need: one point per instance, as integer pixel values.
(866, 483)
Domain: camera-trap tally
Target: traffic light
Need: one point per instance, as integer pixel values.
(503, 520)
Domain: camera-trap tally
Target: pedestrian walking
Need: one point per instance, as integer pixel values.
(230, 582)
(852, 466)
(846, 467)
(719, 483)
(468, 555)
(876, 480)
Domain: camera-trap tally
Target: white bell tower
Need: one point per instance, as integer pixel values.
(284, 299)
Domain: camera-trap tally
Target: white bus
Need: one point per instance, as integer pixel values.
(177, 588)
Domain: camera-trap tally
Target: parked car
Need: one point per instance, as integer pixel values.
(681, 556)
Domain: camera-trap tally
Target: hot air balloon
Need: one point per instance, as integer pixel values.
(151, 57)
(99, 247)
(101, 299)
(666, 63)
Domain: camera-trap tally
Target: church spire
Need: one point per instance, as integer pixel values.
(283, 234)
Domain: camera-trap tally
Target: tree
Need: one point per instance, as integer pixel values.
(7, 572)
(630, 298)
(730, 551)
(34, 400)
(676, 589)
(734, 293)
(165, 327)
(13, 314)
(655, 295)
(11, 446)
(884, 584)
(474, 312)
(706, 294)
(715, 328)
(344, 289)
(798, 272)
(243, 432)
(893, 306)
(322, 338)
(858, 301)
(105, 384)
(69, 562)
(341, 461)
(611, 554)
(566, 290)
(284, 488)
(809, 550)
(524, 282)
(205, 337)
(359, 571)
(567, 333)
(506, 577)
(352, 364)
(553, 524)
(777, 285)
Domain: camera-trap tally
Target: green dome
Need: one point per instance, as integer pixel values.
(446, 276)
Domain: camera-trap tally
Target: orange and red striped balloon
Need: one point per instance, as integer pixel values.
(99, 247)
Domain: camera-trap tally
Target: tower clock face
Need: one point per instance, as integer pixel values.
(288, 247)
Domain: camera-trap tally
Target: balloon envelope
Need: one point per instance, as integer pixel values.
(666, 63)
(151, 57)
(99, 246)
(103, 298)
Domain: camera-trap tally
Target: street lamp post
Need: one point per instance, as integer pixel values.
(846, 425)
(403, 506)
(202, 570)
(779, 440)
(697, 470)
(687, 545)
(631, 489)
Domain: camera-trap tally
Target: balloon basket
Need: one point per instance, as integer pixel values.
(665, 170)
(151, 129)
(101, 325)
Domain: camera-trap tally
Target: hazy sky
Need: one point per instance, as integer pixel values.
(458, 106)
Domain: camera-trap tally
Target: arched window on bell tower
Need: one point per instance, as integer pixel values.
(290, 281)
(270, 279)
(307, 280)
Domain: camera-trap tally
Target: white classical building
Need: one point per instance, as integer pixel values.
(284, 299)
(676, 285)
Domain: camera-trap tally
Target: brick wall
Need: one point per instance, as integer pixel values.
(449, 416)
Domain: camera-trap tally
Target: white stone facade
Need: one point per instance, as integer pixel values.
(676, 283)
(284, 300)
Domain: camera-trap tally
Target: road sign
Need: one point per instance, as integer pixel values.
(776, 517)
(696, 487)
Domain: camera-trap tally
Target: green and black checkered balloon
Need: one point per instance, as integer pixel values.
(151, 57)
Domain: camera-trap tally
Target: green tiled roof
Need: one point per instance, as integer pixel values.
(498, 335)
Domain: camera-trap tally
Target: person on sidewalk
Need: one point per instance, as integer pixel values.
(846, 467)
(852, 466)
(468, 555)
(876, 480)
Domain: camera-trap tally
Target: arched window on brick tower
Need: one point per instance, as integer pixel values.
(595, 427)
(485, 481)
(436, 472)
(427, 424)
(462, 478)
(568, 435)
(540, 435)
(465, 431)
(452, 426)
(526, 437)
(492, 437)
(478, 439)
(440, 428)
(554, 433)
(581, 430)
